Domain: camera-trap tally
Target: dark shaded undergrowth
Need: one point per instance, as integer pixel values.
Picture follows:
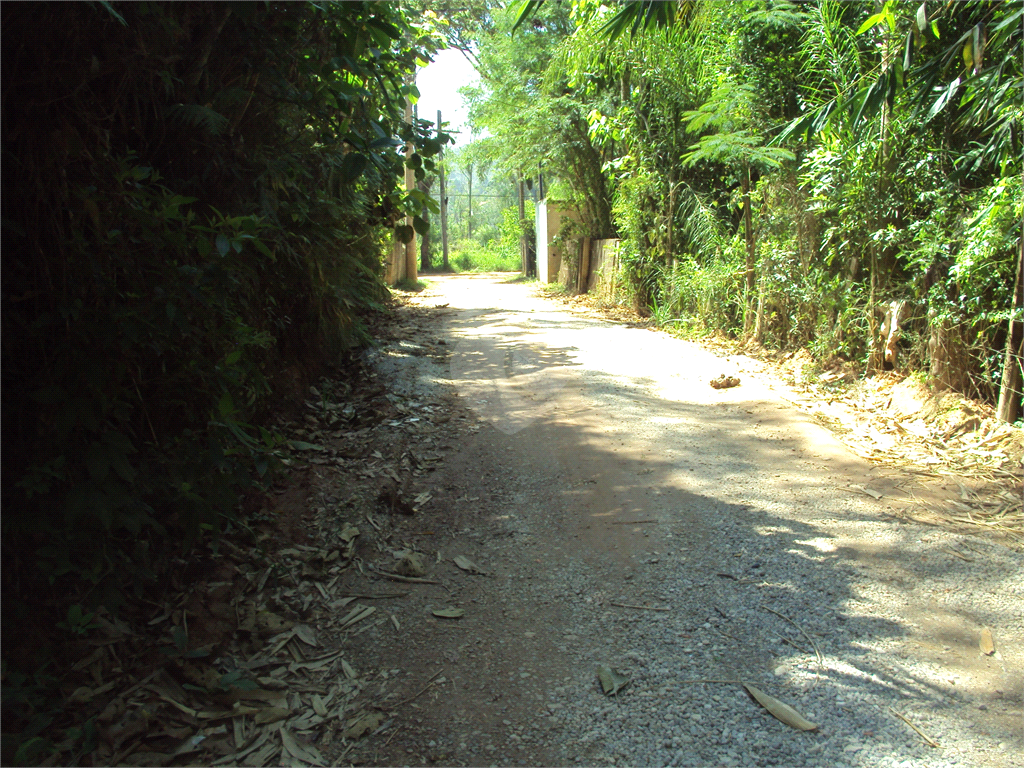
(196, 200)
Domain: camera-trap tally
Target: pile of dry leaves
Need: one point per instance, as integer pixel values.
(897, 421)
(245, 656)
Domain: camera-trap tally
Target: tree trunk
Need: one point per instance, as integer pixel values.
(200, 55)
(670, 219)
(425, 265)
(751, 276)
(875, 348)
(522, 224)
(948, 353)
(759, 315)
(1009, 407)
(583, 278)
(761, 300)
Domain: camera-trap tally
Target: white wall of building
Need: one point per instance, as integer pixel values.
(548, 220)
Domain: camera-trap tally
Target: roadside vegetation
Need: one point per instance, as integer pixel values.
(840, 177)
(498, 254)
(484, 227)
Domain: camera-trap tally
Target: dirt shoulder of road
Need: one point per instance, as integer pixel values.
(893, 420)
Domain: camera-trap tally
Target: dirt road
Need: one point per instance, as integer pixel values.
(628, 514)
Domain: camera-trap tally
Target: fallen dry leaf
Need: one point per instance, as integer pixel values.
(318, 705)
(234, 758)
(306, 753)
(306, 634)
(876, 495)
(238, 731)
(468, 565)
(190, 744)
(449, 613)
(81, 695)
(779, 710)
(987, 644)
(358, 613)
(362, 724)
(262, 757)
(272, 715)
(271, 622)
(611, 680)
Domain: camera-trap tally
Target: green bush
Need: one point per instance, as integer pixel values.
(707, 297)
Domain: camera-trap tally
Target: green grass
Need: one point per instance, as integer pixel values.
(519, 277)
(555, 289)
(406, 284)
(470, 256)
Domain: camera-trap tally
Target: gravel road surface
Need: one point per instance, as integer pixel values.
(629, 515)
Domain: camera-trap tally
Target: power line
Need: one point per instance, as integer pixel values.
(474, 196)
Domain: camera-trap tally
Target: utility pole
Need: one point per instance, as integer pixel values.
(423, 186)
(444, 203)
(410, 184)
(469, 218)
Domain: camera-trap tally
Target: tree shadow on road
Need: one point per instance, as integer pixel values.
(631, 498)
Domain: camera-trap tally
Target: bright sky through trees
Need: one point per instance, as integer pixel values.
(439, 84)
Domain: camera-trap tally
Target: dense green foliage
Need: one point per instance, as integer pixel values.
(536, 118)
(196, 199)
(795, 174)
(483, 213)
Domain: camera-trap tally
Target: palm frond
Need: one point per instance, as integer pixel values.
(524, 9)
(648, 15)
(701, 228)
(198, 116)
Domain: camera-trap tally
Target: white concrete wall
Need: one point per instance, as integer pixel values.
(540, 225)
(548, 220)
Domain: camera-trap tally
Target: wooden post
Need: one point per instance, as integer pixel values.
(583, 279)
(444, 203)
